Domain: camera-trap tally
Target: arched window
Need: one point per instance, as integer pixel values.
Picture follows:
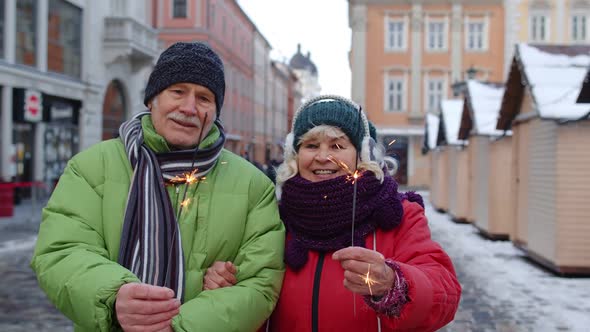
(113, 110)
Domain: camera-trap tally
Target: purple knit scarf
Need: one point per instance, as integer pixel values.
(318, 215)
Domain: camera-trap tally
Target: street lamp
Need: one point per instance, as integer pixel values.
(459, 87)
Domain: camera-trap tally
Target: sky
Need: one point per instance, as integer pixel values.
(320, 26)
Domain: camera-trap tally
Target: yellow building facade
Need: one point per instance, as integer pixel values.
(405, 57)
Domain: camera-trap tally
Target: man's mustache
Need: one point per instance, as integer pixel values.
(181, 117)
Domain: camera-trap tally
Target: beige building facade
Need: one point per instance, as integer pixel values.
(406, 55)
(546, 22)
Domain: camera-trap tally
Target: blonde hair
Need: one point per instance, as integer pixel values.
(289, 169)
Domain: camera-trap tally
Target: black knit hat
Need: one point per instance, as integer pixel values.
(188, 63)
(337, 113)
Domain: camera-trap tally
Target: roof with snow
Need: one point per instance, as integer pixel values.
(553, 75)
(450, 119)
(483, 101)
(432, 123)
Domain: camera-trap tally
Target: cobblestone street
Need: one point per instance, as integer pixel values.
(24, 307)
(476, 313)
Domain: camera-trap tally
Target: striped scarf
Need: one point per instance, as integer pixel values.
(150, 241)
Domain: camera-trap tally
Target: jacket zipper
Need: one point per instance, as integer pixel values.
(316, 293)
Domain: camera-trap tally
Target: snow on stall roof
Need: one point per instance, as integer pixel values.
(432, 123)
(451, 112)
(556, 80)
(486, 100)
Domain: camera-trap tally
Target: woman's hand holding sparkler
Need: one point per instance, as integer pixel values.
(219, 275)
(365, 271)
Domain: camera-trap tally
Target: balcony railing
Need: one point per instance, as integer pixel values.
(126, 37)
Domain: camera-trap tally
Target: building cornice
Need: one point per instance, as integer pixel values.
(426, 12)
(397, 68)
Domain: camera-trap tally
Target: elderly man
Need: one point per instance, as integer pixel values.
(135, 222)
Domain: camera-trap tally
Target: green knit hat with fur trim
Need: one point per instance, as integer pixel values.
(337, 113)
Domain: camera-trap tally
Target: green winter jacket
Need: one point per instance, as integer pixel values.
(233, 217)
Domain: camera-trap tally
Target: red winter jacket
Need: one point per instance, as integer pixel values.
(434, 291)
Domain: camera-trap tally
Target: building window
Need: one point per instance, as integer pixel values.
(26, 32)
(179, 9)
(434, 93)
(579, 28)
(539, 28)
(394, 94)
(436, 32)
(395, 35)
(476, 36)
(64, 38)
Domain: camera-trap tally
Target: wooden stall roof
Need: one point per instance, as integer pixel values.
(466, 122)
(517, 80)
(584, 96)
(512, 96)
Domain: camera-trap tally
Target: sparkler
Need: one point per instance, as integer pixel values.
(354, 186)
(189, 178)
(353, 176)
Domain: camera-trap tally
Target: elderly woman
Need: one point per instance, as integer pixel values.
(359, 254)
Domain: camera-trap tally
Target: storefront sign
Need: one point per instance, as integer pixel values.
(30, 106)
(33, 106)
(61, 111)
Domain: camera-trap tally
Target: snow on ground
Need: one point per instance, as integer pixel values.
(555, 303)
(17, 245)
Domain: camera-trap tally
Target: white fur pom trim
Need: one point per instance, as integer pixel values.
(366, 149)
(288, 148)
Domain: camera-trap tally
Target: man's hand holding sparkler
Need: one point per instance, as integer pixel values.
(365, 271)
(143, 307)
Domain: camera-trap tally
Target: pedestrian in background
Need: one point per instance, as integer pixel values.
(393, 276)
(124, 242)
(271, 170)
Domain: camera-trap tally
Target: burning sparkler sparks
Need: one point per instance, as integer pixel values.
(368, 281)
(390, 143)
(188, 178)
(340, 164)
(352, 176)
